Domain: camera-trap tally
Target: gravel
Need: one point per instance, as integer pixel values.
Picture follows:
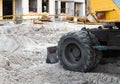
(23, 53)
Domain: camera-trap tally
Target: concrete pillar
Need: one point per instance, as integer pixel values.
(81, 8)
(18, 10)
(59, 7)
(52, 6)
(18, 7)
(39, 6)
(71, 8)
(84, 9)
(52, 9)
(1, 9)
(25, 6)
(66, 8)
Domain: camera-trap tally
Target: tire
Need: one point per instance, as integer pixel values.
(97, 53)
(76, 53)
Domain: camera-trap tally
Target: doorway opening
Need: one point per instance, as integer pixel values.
(56, 9)
(7, 8)
(63, 7)
(76, 9)
(45, 6)
(32, 5)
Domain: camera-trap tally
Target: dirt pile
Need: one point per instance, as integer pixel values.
(23, 52)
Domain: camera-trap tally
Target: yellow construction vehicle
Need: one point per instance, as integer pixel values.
(82, 50)
(105, 11)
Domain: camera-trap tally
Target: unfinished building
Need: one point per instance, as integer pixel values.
(23, 7)
(71, 7)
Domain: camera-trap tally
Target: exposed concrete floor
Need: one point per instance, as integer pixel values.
(23, 56)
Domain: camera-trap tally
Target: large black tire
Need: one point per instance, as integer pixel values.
(76, 53)
(97, 53)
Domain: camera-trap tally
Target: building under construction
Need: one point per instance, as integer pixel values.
(23, 7)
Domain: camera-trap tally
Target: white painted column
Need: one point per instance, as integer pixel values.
(84, 9)
(66, 8)
(52, 9)
(39, 6)
(59, 7)
(25, 7)
(52, 6)
(71, 8)
(1, 9)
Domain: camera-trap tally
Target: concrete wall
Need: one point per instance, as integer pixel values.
(1, 9)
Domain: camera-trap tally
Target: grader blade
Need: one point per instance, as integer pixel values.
(52, 55)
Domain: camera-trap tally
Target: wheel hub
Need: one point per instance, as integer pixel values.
(73, 53)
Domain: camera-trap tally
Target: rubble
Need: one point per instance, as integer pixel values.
(23, 53)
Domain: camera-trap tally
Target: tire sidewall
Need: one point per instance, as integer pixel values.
(84, 52)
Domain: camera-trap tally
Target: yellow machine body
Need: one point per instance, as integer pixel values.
(105, 10)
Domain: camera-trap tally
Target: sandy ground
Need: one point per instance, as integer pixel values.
(23, 53)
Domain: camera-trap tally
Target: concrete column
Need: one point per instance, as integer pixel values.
(71, 8)
(59, 7)
(18, 7)
(52, 9)
(1, 9)
(66, 8)
(25, 6)
(18, 10)
(81, 8)
(52, 6)
(84, 9)
(39, 6)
